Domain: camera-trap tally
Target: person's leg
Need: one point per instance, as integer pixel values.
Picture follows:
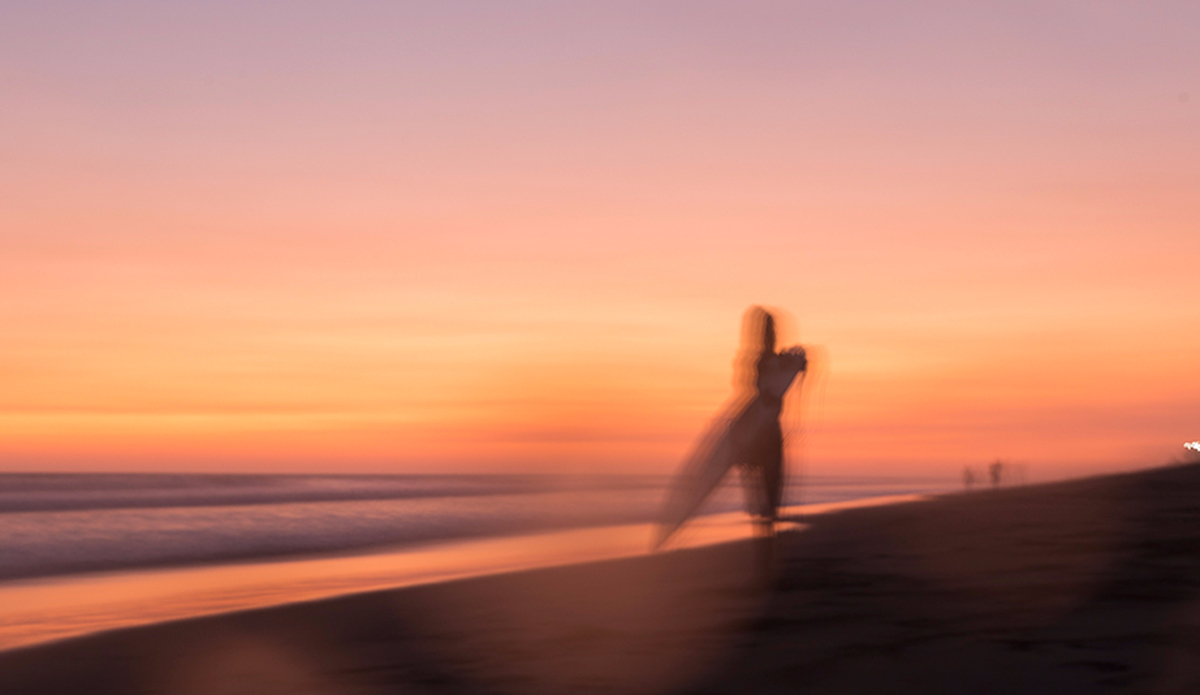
(772, 470)
(763, 481)
(758, 503)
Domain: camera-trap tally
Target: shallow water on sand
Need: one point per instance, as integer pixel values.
(40, 610)
(63, 524)
(84, 553)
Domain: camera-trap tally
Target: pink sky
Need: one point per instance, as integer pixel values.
(423, 237)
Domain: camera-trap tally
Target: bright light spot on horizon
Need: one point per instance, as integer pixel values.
(1194, 446)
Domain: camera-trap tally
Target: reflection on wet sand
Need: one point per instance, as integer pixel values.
(36, 611)
(1076, 587)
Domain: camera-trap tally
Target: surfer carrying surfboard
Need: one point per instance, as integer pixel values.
(748, 436)
(757, 431)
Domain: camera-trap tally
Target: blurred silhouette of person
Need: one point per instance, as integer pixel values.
(968, 477)
(747, 436)
(995, 471)
(756, 432)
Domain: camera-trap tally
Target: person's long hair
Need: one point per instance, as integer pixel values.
(758, 339)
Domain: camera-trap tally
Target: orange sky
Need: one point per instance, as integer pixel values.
(394, 237)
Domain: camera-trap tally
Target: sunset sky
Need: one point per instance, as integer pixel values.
(443, 237)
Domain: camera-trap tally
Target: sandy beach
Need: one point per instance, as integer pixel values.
(1082, 586)
(454, 348)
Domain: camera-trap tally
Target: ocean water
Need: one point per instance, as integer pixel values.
(81, 554)
(61, 524)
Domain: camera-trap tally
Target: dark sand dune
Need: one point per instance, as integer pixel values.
(1079, 587)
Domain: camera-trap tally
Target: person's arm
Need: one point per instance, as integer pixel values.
(795, 357)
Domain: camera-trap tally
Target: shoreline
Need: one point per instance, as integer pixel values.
(43, 610)
(92, 538)
(1089, 585)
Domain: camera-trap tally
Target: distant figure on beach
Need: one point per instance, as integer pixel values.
(748, 436)
(968, 478)
(996, 470)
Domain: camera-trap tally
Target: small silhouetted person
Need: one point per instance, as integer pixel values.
(995, 471)
(968, 477)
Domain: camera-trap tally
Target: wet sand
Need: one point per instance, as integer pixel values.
(1085, 586)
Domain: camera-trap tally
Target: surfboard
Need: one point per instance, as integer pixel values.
(718, 450)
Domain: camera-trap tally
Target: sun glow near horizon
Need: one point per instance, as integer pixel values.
(410, 239)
